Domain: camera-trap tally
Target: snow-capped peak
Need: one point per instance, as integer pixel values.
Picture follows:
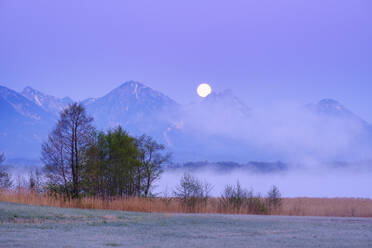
(47, 102)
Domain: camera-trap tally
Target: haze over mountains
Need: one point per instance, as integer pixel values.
(220, 127)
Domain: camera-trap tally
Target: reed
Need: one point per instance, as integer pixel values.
(342, 207)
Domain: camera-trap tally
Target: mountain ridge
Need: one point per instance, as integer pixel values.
(24, 127)
(136, 107)
(220, 127)
(49, 103)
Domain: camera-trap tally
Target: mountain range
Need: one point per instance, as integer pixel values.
(219, 128)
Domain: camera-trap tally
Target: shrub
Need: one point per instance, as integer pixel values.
(192, 193)
(273, 200)
(5, 180)
(255, 204)
(235, 199)
(35, 181)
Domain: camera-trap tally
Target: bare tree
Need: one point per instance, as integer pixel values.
(56, 161)
(192, 193)
(151, 159)
(64, 150)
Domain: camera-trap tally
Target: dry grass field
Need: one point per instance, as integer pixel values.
(339, 207)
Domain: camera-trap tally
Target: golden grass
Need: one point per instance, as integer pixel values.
(342, 207)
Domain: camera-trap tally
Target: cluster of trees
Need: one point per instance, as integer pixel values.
(237, 199)
(81, 161)
(193, 195)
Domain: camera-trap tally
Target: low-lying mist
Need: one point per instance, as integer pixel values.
(295, 181)
(315, 181)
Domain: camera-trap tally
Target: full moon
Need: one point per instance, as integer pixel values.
(204, 90)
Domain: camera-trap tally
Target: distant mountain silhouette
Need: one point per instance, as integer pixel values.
(332, 108)
(218, 128)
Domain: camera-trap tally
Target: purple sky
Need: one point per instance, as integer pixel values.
(267, 52)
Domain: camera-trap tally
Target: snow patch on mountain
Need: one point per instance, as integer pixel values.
(49, 103)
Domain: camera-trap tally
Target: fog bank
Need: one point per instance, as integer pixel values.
(304, 182)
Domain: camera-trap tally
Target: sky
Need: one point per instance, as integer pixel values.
(266, 52)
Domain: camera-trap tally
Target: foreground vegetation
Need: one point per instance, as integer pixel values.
(35, 226)
(342, 207)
